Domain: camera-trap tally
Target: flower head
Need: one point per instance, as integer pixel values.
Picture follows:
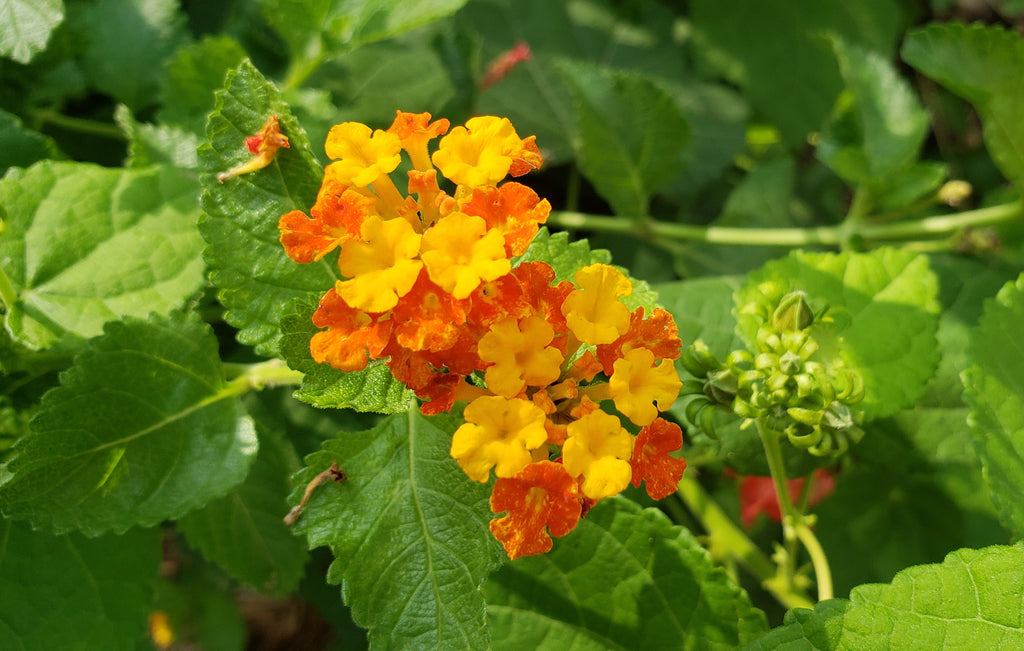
(598, 448)
(651, 462)
(499, 433)
(640, 388)
(594, 312)
(460, 253)
(541, 499)
(485, 151)
(364, 156)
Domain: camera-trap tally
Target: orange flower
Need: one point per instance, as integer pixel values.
(514, 209)
(651, 461)
(427, 318)
(657, 333)
(545, 299)
(352, 335)
(337, 216)
(415, 131)
(541, 499)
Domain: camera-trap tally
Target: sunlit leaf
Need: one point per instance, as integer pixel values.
(255, 279)
(408, 531)
(25, 26)
(84, 244)
(142, 429)
(625, 578)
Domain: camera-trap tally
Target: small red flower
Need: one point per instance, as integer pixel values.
(757, 495)
(540, 499)
(651, 461)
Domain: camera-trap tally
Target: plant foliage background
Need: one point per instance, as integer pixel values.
(160, 411)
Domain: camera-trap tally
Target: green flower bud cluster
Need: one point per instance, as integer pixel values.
(783, 384)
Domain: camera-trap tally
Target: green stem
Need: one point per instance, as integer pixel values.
(728, 541)
(301, 70)
(248, 377)
(8, 295)
(80, 125)
(927, 227)
(794, 523)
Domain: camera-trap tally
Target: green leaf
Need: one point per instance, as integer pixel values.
(256, 280)
(151, 144)
(995, 391)
(192, 76)
(383, 77)
(969, 601)
(26, 25)
(889, 123)
(409, 533)
(884, 307)
(76, 593)
(325, 27)
(84, 245)
(982, 64)
(752, 43)
(372, 389)
(20, 147)
(244, 533)
(626, 164)
(126, 45)
(142, 429)
(625, 578)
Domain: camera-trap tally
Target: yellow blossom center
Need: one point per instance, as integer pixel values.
(382, 265)
(640, 389)
(594, 312)
(599, 448)
(500, 434)
(460, 253)
(364, 155)
(520, 355)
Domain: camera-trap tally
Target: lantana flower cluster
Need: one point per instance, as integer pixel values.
(554, 375)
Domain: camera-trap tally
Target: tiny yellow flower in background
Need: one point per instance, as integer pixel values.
(520, 355)
(364, 156)
(381, 267)
(639, 388)
(594, 312)
(460, 253)
(500, 434)
(599, 448)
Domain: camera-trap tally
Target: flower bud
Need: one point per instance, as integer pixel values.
(793, 313)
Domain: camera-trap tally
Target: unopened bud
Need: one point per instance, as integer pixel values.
(793, 313)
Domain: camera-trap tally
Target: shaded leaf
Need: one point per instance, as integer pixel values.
(126, 45)
(409, 533)
(625, 578)
(142, 429)
(255, 279)
(192, 76)
(73, 592)
(884, 309)
(372, 389)
(751, 43)
(319, 27)
(157, 144)
(20, 147)
(626, 164)
(244, 533)
(889, 123)
(983, 64)
(995, 391)
(85, 244)
(26, 25)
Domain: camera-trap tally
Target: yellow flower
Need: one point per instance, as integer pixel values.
(500, 434)
(520, 355)
(483, 152)
(593, 312)
(597, 447)
(460, 253)
(364, 157)
(640, 389)
(382, 266)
